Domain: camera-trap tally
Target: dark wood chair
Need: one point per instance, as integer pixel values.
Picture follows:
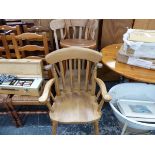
(22, 50)
(4, 48)
(7, 30)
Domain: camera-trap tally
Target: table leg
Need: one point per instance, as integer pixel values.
(13, 112)
(124, 128)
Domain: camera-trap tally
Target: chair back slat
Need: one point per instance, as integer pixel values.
(62, 74)
(31, 48)
(87, 75)
(56, 40)
(79, 74)
(71, 74)
(61, 34)
(80, 32)
(94, 75)
(29, 36)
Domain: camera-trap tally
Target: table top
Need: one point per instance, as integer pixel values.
(131, 72)
(78, 42)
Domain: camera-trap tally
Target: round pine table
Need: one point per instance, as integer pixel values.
(128, 71)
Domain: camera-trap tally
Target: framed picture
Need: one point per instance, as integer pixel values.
(138, 110)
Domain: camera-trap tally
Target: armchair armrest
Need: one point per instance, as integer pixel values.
(105, 95)
(44, 97)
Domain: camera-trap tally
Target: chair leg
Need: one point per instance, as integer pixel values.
(96, 127)
(54, 127)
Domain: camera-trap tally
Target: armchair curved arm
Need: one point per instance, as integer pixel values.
(105, 95)
(44, 97)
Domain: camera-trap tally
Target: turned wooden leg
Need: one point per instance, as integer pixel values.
(96, 127)
(54, 127)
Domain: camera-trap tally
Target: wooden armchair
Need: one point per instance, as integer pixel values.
(75, 32)
(79, 104)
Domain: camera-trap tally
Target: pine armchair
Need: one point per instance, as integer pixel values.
(80, 103)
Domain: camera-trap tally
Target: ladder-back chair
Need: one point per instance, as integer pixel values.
(12, 29)
(75, 32)
(4, 47)
(79, 103)
(39, 30)
(22, 50)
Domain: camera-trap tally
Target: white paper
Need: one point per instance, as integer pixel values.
(132, 44)
(139, 62)
(145, 52)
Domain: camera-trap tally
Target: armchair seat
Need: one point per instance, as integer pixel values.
(75, 107)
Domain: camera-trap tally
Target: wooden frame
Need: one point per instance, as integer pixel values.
(79, 104)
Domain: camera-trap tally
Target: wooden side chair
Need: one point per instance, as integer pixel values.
(4, 47)
(81, 103)
(22, 50)
(75, 32)
(11, 29)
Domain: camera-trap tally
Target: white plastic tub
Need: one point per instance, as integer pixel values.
(135, 91)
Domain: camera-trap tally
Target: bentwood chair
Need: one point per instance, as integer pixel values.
(74, 32)
(80, 103)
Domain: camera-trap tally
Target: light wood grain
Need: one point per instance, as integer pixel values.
(75, 104)
(73, 52)
(76, 107)
(78, 42)
(131, 72)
